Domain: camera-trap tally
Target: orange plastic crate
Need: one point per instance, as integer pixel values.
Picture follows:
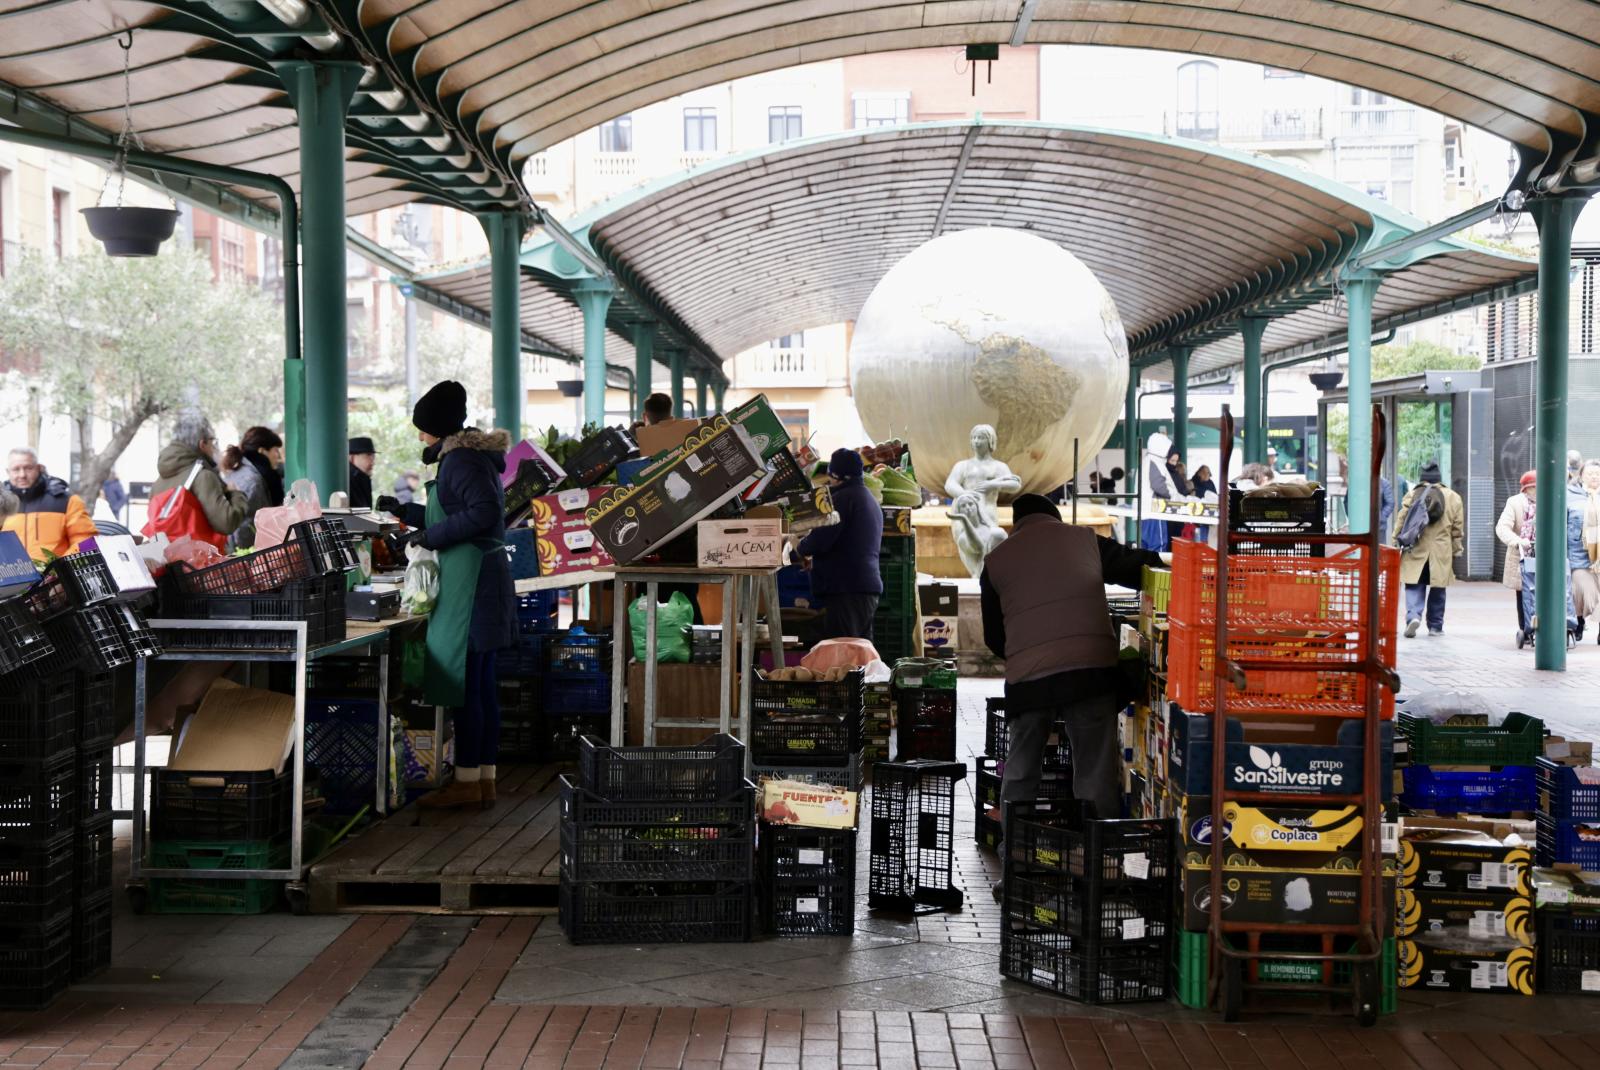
(1300, 593)
(1293, 690)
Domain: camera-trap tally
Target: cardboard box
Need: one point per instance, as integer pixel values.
(766, 431)
(129, 572)
(16, 567)
(1284, 756)
(1491, 916)
(666, 435)
(938, 633)
(783, 477)
(598, 455)
(746, 543)
(236, 730)
(1446, 859)
(1277, 896)
(814, 509)
(791, 802)
(562, 539)
(1266, 830)
(632, 522)
(683, 691)
(1461, 965)
(530, 472)
(939, 599)
(896, 520)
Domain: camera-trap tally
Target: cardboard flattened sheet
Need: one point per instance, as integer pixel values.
(237, 730)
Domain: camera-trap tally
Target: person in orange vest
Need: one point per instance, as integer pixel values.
(52, 520)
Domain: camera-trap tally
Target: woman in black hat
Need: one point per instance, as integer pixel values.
(476, 614)
(363, 457)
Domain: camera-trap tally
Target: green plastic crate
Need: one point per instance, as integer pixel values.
(1518, 741)
(178, 895)
(1192, 972)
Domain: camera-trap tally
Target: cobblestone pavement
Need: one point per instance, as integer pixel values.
(445, 992)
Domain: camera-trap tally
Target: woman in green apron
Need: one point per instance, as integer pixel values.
(476, 615)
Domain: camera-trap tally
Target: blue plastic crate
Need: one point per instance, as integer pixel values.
(1563, 794)
(579, 651)
(1575, 842)
(342, 746)
(536, 610)
(794, 587)
(1454, 792)
(576, 693)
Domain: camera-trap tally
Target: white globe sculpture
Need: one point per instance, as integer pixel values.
(996, 327)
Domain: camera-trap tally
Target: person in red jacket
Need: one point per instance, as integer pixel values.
(52, 520)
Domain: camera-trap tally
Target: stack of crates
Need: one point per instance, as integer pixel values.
(912, 846)
(877, 721)
(577, 692)
(95, 699)
(1055, 783)
(897, 628)
(1568, 908)
(924, 691)
(1087, 906)
(657, 844)
(807, 878)
(521, 670)
(1468, 766)
(807, 729)
(1465, 918)
(1569, 815)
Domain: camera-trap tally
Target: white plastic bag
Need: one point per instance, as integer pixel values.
(419, 592)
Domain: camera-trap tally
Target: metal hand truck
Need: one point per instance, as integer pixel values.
(1228, 963)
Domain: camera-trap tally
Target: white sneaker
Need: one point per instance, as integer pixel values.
(1411, 628)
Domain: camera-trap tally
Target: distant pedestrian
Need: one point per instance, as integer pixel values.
(188, 463)
(51, 520)
(363, 458)
(1583, 543)
(251, 468)
(115, 494)
(406, 486)
(1430, 541)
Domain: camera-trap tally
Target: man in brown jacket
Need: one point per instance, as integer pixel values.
(1043, 595)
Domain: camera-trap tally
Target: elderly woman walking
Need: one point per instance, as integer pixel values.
(1583, 543)
(189, 462)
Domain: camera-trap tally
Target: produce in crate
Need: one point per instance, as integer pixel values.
(801, 675)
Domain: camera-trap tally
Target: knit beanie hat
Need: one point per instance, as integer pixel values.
(1027, 505)
(442, 411)
(845, 464)
(1430, 472)
(1529, 478)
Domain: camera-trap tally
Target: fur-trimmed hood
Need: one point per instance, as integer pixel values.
(471, 438)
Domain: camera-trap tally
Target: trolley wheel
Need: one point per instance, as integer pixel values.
(299, 898)
(1366, 994)
(1522, 638)
(1232, 994)
(138, 897)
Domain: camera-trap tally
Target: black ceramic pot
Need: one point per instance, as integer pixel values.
(131, 231)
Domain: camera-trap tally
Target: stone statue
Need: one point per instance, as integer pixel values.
(983, 474)
(973, 535)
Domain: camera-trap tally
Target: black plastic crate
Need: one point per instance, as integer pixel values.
(581, 653)
(927, 724)
(91, 936)
(570, 692)
(318, 602)
(527, 659)
(808, 881)
(1053, 838)
(330, 545)
(94, 780)
(258, 572)
(92, 850)
(1569, 946)
(38, 718)
(343, 677)
(38, 799)
(1068, 967)
(189, 805)
(23, 639)
(779, 698)
(598, 455)
(342, 745)
(913, 835)
(537, 611)
(76, 581)
(708, 771)
(847, 776)
(624, 841)
(521, 738)
(1264, 515)
(35, 962)
(805, 739)
(989, 780)
(97, 639)
(560, 733)
(36, 880)
(95, 699)
(635, 912)
(997, 739)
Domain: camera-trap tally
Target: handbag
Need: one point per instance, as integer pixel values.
(178, 514)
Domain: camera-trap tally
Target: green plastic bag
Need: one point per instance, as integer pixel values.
(672, 617)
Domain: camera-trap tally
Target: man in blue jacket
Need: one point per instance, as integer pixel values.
(844, 556)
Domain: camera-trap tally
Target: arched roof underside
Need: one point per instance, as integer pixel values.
(1185, 237)
(457, 93)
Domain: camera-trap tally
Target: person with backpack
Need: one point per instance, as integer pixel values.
(1430, 534)
(201, 505)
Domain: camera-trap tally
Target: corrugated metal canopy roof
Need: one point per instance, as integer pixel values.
(459, 92)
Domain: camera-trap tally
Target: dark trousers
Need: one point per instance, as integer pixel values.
(1092, 737)
(849, 616)
(478, 721)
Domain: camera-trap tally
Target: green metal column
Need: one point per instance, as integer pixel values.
(1180, 402)
(321, 93)
(505, 231)
(1255, 405)
(1130, 451)
(644, 359)
(719, 388)
(701, 389)
(1554, 217)
(1358, 294)
(676, 365)
(594, 298)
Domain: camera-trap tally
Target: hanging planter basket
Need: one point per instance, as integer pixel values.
(126, 231)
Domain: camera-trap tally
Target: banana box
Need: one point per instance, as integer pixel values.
(1277, 896)
(1491, 916)
(1271, 829)
(1461, 964)
(1450, 860)
(1283, 756)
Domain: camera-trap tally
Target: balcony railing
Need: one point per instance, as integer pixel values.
(690, 160)
(616, 165)
(1274, 124)
(1379, 121)
(779, 367)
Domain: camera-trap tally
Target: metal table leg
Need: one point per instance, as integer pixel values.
(385, 730)
(619, 662)
(747, 650)
(730, 647)
(650, 654)
(135, 885)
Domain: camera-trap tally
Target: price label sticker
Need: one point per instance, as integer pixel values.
(1554, 895)
(811, 856)
(1390, 834)
(807, 906)
(1136, 866)
(1589, 980)
(1133, 929)
(1495, 875)
(1487, 924)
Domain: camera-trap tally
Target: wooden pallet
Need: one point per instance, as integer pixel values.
(469, 861)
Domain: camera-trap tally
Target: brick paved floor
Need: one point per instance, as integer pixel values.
(456, 993)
